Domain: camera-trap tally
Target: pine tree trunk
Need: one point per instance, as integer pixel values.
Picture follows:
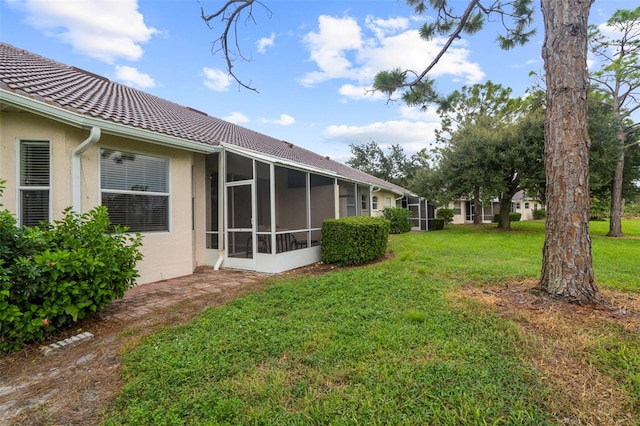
(617, 203)
(567, 268)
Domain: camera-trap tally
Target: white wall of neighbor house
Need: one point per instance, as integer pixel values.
(523, 206)
(383, 199)
(459, 211)
(526, 207)
(166, 254)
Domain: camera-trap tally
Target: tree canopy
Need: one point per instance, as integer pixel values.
(394, 167)
(491, 146)
(616, 46)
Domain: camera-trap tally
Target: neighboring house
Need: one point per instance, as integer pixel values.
(464, 211)
(201, 190)
(525, 205)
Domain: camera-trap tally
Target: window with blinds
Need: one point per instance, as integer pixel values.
(135, 190)
(34, 182)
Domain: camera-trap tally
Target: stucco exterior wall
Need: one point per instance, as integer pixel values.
(16, 126)
(166, 254)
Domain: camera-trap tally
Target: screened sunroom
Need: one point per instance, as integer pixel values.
(266, 215)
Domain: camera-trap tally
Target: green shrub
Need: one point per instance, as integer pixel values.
(437, 224)
(599, 209)
(354, 240)
(513, 217)
(539, 214)
(54, 275)
(631, 209)
(445, 214)
(399, 219)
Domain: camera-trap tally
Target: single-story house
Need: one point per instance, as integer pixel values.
(201, 190)
(464, 210)
(525, 204)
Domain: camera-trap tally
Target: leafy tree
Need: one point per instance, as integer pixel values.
(567, 264)
(429, 183)
(490, 145)
(619, 78)
(394, 167)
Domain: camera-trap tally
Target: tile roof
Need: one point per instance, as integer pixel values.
(88, 94)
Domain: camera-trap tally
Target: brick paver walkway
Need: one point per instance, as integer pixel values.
(146, 298)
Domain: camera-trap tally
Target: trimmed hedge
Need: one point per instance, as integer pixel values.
(513, 217)
(399, 219)
(56, 274)
(354, 240)
(437, 224)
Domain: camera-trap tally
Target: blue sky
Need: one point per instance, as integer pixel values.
(311, 61)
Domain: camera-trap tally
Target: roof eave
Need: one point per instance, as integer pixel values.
(277, 160)
(78, 120)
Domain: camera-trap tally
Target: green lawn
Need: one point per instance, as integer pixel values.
(378, 345)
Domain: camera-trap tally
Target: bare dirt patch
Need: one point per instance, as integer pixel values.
(562, 335)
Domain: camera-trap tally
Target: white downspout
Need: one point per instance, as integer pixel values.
(76, 196)
(219, 261)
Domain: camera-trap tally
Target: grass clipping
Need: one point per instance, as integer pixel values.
(562, 337)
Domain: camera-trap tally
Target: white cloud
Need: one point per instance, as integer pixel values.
(328, 48)
(216, 80)
(414, 113)
(340, 48)
(383, 27)
(528, 63)
(132, 77)
(236, 117)
(284, 120)
(414, 129)
(265, 42)
(411, 135)
(102, 29)
(359, 93)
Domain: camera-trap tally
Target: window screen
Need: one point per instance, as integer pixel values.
(135, 189)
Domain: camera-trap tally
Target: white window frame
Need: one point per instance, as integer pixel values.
(21, 188)
(374, 203)
(133, 192)
(387, 202)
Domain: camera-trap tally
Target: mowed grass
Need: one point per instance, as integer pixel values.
(379, 344)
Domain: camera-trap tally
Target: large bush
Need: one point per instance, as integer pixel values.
(445, 214)
(354, 240)
(56, 274)
(399, 220)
